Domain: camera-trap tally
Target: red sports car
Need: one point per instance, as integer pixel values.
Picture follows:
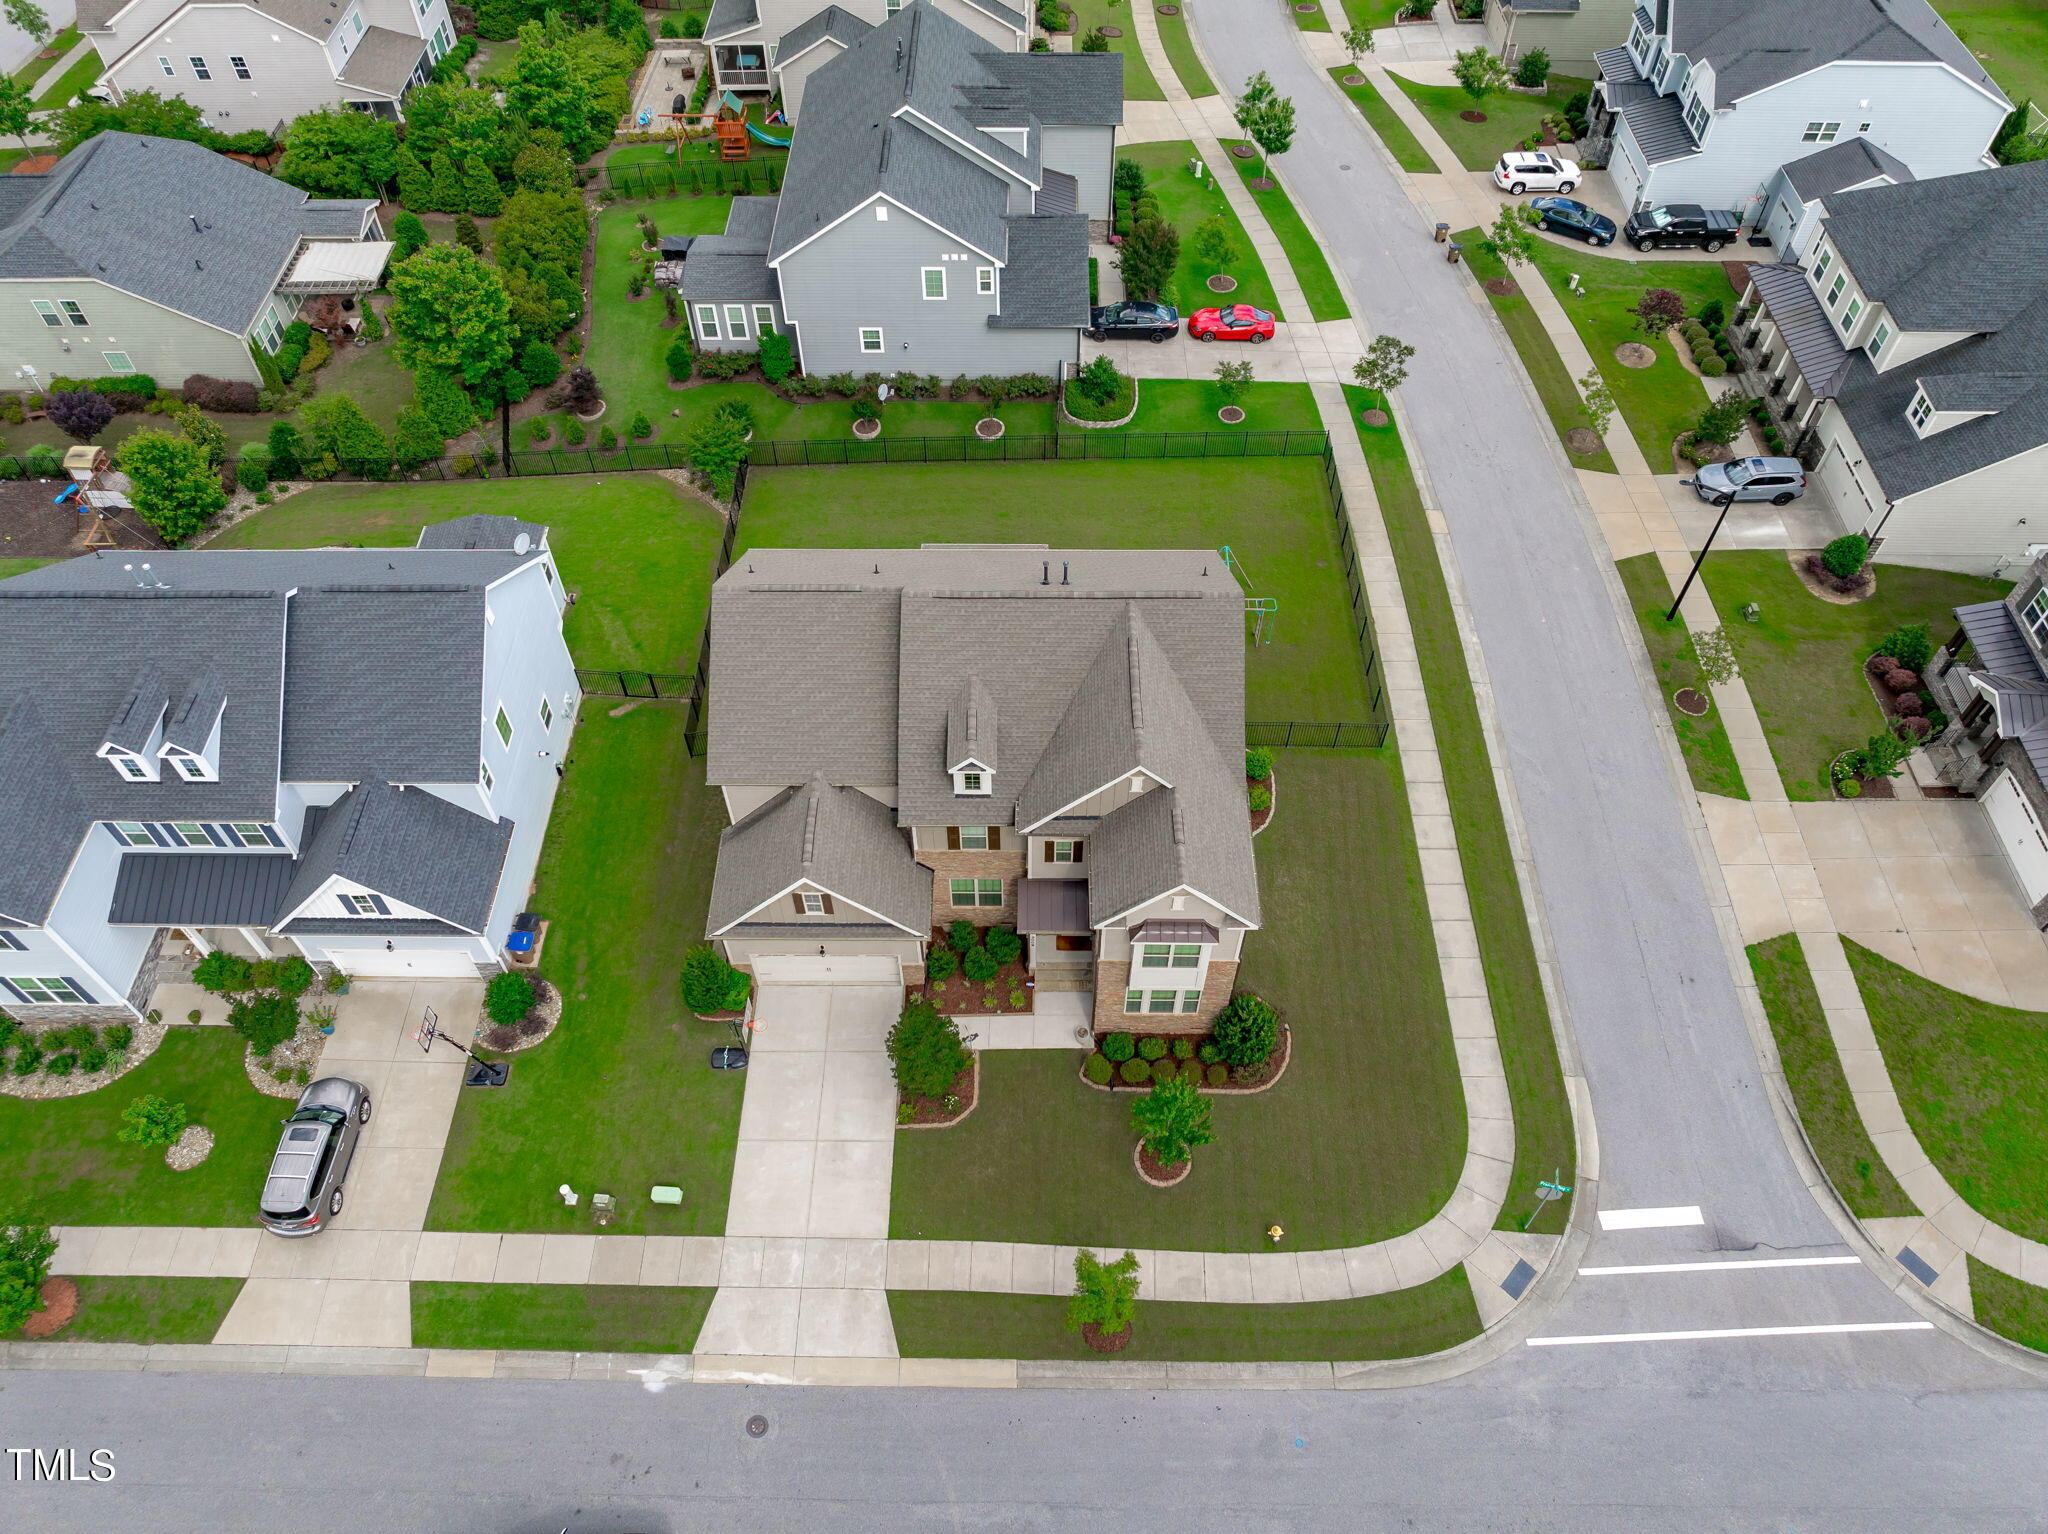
(1233, 322)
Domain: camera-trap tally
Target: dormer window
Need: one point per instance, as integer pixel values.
(1920, 411)
(2036, 616)
(193, 769)
(971, 779)
(130, 766)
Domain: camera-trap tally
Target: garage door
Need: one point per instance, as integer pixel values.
(1852, 504)
(827, 969)
(419, 963)
(2019, 832)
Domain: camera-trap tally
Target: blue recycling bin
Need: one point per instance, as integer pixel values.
(519, 942)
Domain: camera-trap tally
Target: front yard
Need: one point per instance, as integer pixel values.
(1510, 115)
(1187, 202)
(1803, 658)
(150, 1310)
(558, 1318)
(1139, 83)
(1709, 759)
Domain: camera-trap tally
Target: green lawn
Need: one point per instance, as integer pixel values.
(1820, 1092)
(67, 85)
(1304, 255)
(64, 1166)
(1190, 404)
(1662, 400)
(1546, 370)
(1510, 116)
(1709, 759)
(1139, 84)
(558, 1318)
(1972, 1078)
(1399, 138)
(495, 59)
(1404, 1324)
(241, 431)
(150, 1309)
(45, 58)
(372, 377)
(1316, 20)
(1372, 14)
(1803, 657)
(21, 566)
(1180, 52)
(2003, 1304)
(2010, 37)
(1186, 203)
(1544, 1140)
(1310, 671)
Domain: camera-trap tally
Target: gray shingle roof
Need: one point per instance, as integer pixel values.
(1754, 45)
(1810, 335)
(714, 272)
(841, 26)
(1847, 164)
(838, 839)
(383, 61)
(409, 845)
(971, 727)
(1045, 283)
(200, 889)
(1978, 391)
(752, 219)
(480, 530)
(1063, 88)
(729, 18)
(120, 209)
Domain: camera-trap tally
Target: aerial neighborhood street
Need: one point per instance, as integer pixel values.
(772, 766)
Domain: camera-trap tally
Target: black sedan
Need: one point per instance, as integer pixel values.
(1133, 322)
(1563, 216)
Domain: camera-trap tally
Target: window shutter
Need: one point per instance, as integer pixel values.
(161, 835)
(952, 838)
(377, 904)
(270, 835)
(82, 993)
(827, 899)
(9, 940)
(1048, 852)
(8, 987)
(1079, 847)
(798, 902)
(995, 838)
(215, 834)
(115, 832)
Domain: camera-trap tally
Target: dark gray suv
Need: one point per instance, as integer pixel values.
(303, 1189)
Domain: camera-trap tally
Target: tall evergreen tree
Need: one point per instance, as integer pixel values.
(415, 186)
(447, 197)
(480, 188)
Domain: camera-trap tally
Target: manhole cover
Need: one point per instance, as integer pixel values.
(757, 1427)
(1343, 167)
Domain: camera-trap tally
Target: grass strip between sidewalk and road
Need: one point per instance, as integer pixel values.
(1546, 369)
(1544, 1139)
(1820, 1090)
(47, 57)
(1180, 52)
(1187, 201)
(149, 1310)
(1304, 254)
(1406, 1323)
(1709, 758)
(1380, 115)
(559, 1318)
(2016, 1310)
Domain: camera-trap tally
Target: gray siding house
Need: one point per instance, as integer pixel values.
(1051, 739)
(1570, 31)
(1710, 97)
(1908, 351)
(776, 45)
(153, 255)
(212, 756)
(934, 216)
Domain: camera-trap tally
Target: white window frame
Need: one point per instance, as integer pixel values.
(501, 722)
(1063, 851)
(547, 715)
(249, 833)
(1836, 288)
(985, 282)
(47, 991)
(184, 830)
(1696, 118)
(239, 65)
(133, 833)
(193, 769)
(199, 69)
(973, 846)
(168, 67)
(764, 320)
(1170, 955)
(882, 208)
(736, 322)
(1820, 267)
(483, 775)
(72, 311)
(47, 311)
(707, 323)
(971, 781)
(361, 905)
(124, 366)
(1878, 338)
(1920, 410)
(881, 341)
(357, 18)
(130, 766)
(1851, 314)
(813, 902)
(1820, 133)
(2036, 617)
(925, 274)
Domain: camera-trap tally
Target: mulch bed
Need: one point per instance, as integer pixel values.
(42, 1087)
(1111, 31)
(1374, 417)
(193, 1145)
(1222, 284)
(1471, 116)
(988, 428)
(1274, 1068)
(1690, 701)
(1242, 151)
(1633, 354)
(300, 1051)
(60, 1304)
(930, 1112)
(1262, 183)
(1158, 1175)
(1820, 584)
(1583, 440)
(1354, 79)
(1262, 818)
(535, 1027)
(1092, 1334)
(1230, 415)
(1500, 287)
(957, 996)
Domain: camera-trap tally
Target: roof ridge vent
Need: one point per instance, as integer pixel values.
(1137, 688)
(811, 826)
(1180, 830)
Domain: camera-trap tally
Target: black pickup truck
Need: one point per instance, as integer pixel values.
(1681, 223)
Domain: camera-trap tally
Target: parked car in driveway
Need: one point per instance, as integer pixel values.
(1532, 170)
(302, 1191)
(1133, 321)
(1563, 216)
(1780, 481)
(1233, 322)
(1681, 224)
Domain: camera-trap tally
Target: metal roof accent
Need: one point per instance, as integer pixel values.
(1168, 930)
(1052, 905)
(1810, 336)
(199, 889)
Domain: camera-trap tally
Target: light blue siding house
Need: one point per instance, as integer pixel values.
(1710, 97)
(935, 213)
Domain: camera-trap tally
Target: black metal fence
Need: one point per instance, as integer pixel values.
(689, 176)
(663, 686)
(1361, 612)
(1279, 734)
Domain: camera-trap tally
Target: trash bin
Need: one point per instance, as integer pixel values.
(519, 942)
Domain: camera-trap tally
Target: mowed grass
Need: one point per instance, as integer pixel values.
(151, 1310)
(44, 59)
(1399, 138)
(558, 1318)
(1304, 255)
(21, 566)
(1510, 116)
(1139, 81)
(2010, 37)
(1709, 759)
(60, 91)
(63, 1164)
(1404, 1324)
(2015, 1310)
(1820, 1090)
(1270, 511)
(1179, 44)
(1972, 1078)
(1544, 1137)
(1187, 202)
(1532, 343)
(1803, 658)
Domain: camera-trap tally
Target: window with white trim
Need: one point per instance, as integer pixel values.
(129, 766)
(707, 322)
(239, 65)
(736, 321)
(547, 715)
(973, 838)
(365, 905)
(871, 338)
(199, 69)
(812, 902)
(447, 38)
(166, 65)
(503, 725)
(1170, 956)
(47, 991)
(483, 776)
(249, 833)
(191, 833)
(1920, 411)
(1061, 852)
(357, 21)
(1849, 315)
(72, 312)
(1820, 267)
(117, 362)
(764, 319)
(1820, 133)
(970, 783)
(192, 769)
(134, 833)
(985, 281)
(1162, 1001)
(2036, 615)
(9, 940)
(1835, 288)
(1696, 118)
(48, 311)
(882, 208)
(976, 892)
(934, 279)
(1878, 337)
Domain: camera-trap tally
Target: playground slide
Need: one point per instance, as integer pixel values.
(754, 132)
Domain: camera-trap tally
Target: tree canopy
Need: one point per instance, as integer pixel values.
(175, 489)
(449, 310)
(334, 152)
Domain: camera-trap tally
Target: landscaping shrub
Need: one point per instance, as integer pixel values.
(1908, 646)
(25, 1253)
(152, 1120)
(777, 361)
(1119, 1047)
(222, 973)
(573, 432)
(1098, 1069)
(925, 1051)
(1917, 729)
(1099, 382)
(941, 963)
(1713, 314)
(1261, 798)
(60, 1065)
(91, 1060)
(1004, 946)
(1902, 680)
(724, 365)
(640, 428)
(264, 1022)
(1845, 556)
(1165, 1068)
(1533, 68)
(1246, 1031)
(539, 363)
(252, 473)
(293, 976)
(233, 395)
(1208, 1053)
(1183, 1049)
(28, 1058)
(1172, 1121)
(710, 984)
(1105, 1294)
(44, 461)
(962, 934)
(1258, 764)
(1052, 16)
(1218, 1075)
(119, 1037)
(1135, 1073)
(1909, 704)
(979, 965)
(717, 448)
(1711, 366)
(508, 997)
(1151, 1047)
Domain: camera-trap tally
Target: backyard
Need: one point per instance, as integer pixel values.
(2010, 36)
(1663, 400)
(564, 1318)
(1187, 201)
(1510, 116)
(1803, 658)
(1399, 138)
(1709, 759)
(1972, 1078)
(1304, 253)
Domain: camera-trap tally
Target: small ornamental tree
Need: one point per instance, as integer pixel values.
(264, 1020)
(16, 109)
(1479, 72)
(1098, 382)
(467, 235)
(580, 391)
(1233, 381)
(1357, 42)
(25, 1253)
(1148, 257)
(925, 1051)
(152, 1121)
(1172, 1121)
(717, 449)
(1215, 242)
(336, 152)
(1532, 69)
(81, 414)
(1599, 400)
(508, 997)
(1658, 310)
(30, 18)
(1105, 1294)
(1513, 236)
(1910, 646)
(449, 310)
(710, 984)
(1246, 1031)
(208, 436)
(336, 426)
(1384, 367)
(175, 489)
(1267, 118)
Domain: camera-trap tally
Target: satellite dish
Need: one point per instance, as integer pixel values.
(522, 544)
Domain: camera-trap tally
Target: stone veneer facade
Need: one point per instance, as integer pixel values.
(1006, 863)
(1112, 979)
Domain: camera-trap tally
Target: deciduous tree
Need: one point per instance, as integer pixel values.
(449, 310)
(1384, 367)
(333, 152)
(174, 488)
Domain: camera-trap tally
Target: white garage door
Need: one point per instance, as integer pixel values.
(417, 963)
(2019, 832)
(1852, 504)
(827, 969)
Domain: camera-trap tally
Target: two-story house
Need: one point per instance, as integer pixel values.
(1908, 350)
(260, 63)
(1050, 738)
(346, 754)
(156, 256)
(934, 214)
(775, 45)
(1710, 97)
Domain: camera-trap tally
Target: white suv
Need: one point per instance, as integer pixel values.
(1531, 170)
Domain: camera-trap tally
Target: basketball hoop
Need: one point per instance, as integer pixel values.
(428, 1029)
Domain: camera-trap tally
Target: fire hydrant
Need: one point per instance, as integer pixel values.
(1274, 1233)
